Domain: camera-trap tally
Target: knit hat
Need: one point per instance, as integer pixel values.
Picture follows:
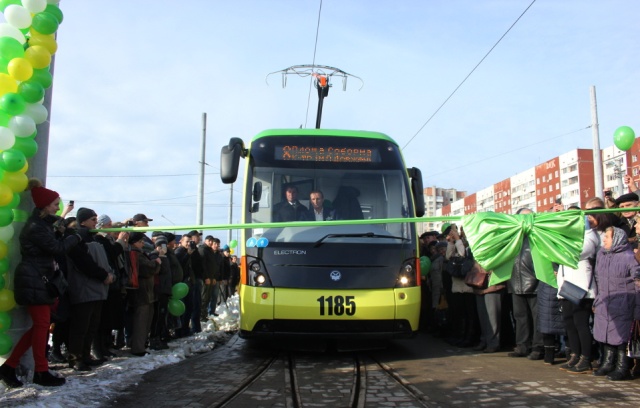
(160, 239)
(84, 214)
(42, 196)
(135, 237)
(103, 220)
(170, 237)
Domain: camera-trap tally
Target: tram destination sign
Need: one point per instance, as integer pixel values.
(338, 154)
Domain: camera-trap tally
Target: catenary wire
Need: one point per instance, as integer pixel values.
(315, 48)
(468, 75)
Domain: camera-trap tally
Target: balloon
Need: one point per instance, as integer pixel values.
(2, 282)
(17, 16)
(20, 69)
(4, 118)
(12, 160)
(179, 290)
(176, 307)
(19, 215)
(31, 91)
(4, 250)
(425, 265)
(6, 233)
(5, 344)
(4, 266)
(43, 76)
(26, 145)
(7, 138)
(624, 137)
(16, 181)
(7, 84)
(34, 6)
(55, 10)
(37, 112)
(5, 3)
(45, 23)
(7, 30)
(233, 243)
(7, 302)
(6, 195)
(38, 56)
(10, 48)
(22, 125)
(6, 216)
(5, 321)
(15, 201)
(12, 103)
(47, 41)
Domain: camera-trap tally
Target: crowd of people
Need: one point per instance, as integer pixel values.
(591, 333)
(102, 291)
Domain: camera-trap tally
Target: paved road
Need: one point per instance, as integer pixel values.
(446, 376)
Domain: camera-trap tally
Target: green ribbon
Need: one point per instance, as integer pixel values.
(496, 240)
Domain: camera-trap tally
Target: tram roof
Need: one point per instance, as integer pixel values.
(324, 132)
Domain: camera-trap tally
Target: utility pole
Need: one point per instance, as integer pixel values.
(200, 204)
(597, 155)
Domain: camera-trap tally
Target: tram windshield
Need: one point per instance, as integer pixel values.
(361, 181)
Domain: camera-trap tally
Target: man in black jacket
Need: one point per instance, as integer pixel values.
(290, 209)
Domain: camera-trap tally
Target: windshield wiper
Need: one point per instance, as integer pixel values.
(359, 235)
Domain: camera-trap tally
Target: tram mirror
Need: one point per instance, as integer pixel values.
(257, 191)
(417, 190)
(230, 160)
(255, 207)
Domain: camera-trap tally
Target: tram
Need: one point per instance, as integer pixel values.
(359, 280)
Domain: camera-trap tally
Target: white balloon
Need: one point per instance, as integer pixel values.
(7, 138)
(37, 112)
(6, 233)
(22, 125)
(17, 16)
(35, 6)
(54, 2)
(7, 30)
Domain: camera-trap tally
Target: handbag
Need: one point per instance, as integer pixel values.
(56, 285)
(633, 347)
(460, 266)
(573, 293)
(477, 278)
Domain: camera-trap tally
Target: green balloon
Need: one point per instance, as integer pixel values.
(2, 282)
(5, 3)
(425, 265)
(5, 344)
(15, 201)
(12, 160)
(4, 266)
(31, 91)
(10, 48)
(20, 215)
(176, 307)
(5, 319)
(55, 11)
(6, 218)
(624, 137)
(27, 146)
(12, 103)
(179, 290)
(44, 23)
(43, 77)
(4, 118)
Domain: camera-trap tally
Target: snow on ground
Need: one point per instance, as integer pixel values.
(103, 383)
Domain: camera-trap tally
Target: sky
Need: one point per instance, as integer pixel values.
(133, 79)
(104, 383)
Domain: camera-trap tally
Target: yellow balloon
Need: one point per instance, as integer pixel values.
(47, 41)
(25, 168)
(7, 301)
(4, 249)
(38, 56)
(16, 181)
(7, 84)
(6, 194)
(20, 69)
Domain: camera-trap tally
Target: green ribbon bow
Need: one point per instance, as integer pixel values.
(496, 240)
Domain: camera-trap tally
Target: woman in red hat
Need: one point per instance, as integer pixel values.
(40, 241)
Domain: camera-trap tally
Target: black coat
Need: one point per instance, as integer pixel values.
(39, 245)
(286, 212)
(523, 276)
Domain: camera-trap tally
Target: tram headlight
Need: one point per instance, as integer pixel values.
(407, 275)
(259, 279)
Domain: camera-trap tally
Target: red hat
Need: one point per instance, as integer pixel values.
(42, 196)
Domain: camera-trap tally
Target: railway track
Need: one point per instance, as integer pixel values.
(297, 380)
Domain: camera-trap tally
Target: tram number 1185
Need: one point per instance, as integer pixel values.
(337, 305)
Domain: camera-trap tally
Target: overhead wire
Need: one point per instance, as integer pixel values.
(468, 75)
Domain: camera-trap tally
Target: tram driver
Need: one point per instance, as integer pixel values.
(290, 209)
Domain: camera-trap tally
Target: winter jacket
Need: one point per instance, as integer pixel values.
(617, 303)
(115, 254)
(162, 281)
(582, 276)
(523, 277)
(177, 274)
(549, 315)
(457, 284)
(147, 270)
(88, 268)
(39, 244)
(184, 258)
